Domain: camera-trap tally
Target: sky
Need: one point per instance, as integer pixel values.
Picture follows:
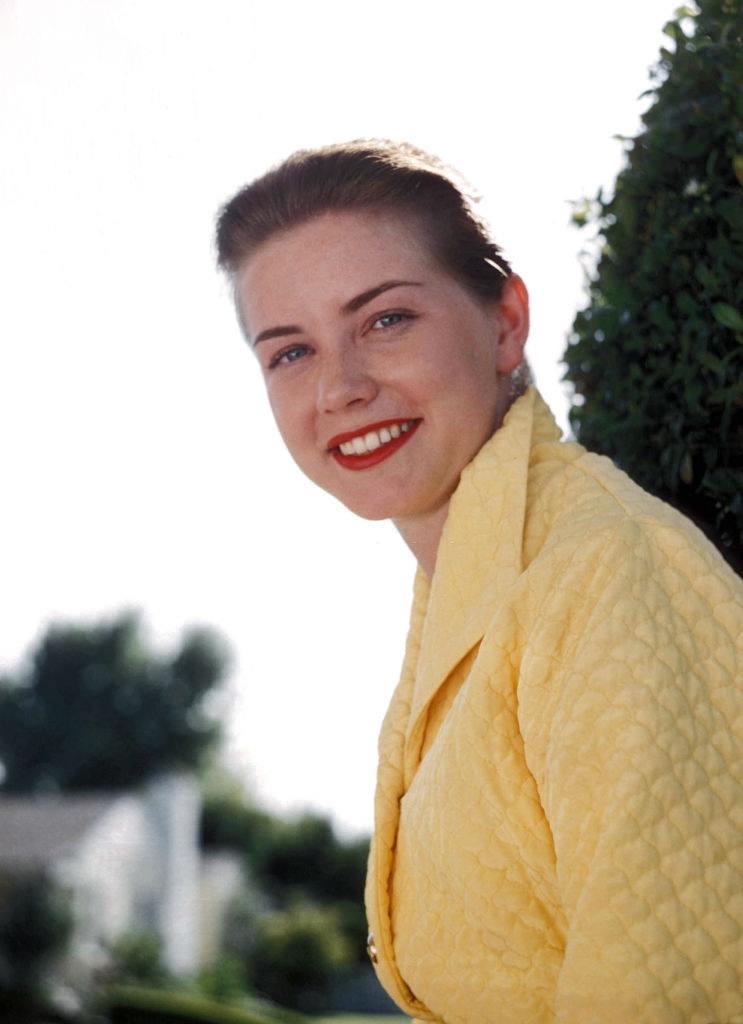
(140, 464)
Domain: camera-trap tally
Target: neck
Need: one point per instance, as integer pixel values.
(422, 535)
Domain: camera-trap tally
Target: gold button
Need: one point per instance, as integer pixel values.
(371, 949)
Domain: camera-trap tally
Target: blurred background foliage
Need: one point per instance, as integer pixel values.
(309, 935)
(36, 922)
(94, 709)
(298, 955)
(135, 713)
(656, 357)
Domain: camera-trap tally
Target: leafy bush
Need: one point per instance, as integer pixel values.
(656, 358)
(36, 923)
(297, 956)
(136, 958)
(224, 981)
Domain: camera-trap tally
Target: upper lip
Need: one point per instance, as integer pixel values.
(349, 435)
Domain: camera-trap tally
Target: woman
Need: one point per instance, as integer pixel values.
(559, 801)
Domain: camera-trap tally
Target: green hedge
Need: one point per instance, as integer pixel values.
(656, 358)
(131, 1005)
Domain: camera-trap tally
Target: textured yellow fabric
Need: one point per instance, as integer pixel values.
(559, 808)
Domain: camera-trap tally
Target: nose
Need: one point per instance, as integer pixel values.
(345, 381)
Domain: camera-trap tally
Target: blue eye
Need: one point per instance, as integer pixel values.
(288, 355)
(387, 320)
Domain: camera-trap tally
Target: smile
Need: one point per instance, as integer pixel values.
(372, 444)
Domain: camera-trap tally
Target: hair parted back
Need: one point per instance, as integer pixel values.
(366, 175)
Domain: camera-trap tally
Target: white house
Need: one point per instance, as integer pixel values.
(130, 862)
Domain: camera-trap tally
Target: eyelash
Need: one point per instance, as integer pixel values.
(393, 312)
(280, 358)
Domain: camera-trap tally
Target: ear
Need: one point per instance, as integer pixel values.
(512, 312)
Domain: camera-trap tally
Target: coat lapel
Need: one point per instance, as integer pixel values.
(479, 558)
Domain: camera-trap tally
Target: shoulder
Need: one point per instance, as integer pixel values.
(594, 539)
(577, 498)
(626, 608)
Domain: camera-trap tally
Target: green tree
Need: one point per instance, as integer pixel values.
(230, 822)
(97, 709)
(298, 860)
(306, 858)
(307, 861)
(656, 358)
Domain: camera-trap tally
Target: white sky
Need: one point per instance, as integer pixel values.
(139, 460)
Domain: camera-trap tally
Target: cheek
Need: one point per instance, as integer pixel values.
(479, 378)
(463, 351)
(461, 377)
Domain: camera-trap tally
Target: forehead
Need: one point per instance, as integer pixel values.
(329, 260)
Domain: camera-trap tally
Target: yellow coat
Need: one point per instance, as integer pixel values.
(559, 809)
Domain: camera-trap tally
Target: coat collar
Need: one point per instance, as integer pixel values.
(479, 556)
(478, 559)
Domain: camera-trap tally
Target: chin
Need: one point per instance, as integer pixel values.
(374, 506)
(374, 511)
(395, 507)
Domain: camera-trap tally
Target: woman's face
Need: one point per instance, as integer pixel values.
(381, 368)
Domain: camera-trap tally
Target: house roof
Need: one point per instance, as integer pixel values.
(35, 832)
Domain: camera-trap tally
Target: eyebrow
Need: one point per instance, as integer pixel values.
(351, 306)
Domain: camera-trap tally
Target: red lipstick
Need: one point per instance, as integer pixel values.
(369, 459)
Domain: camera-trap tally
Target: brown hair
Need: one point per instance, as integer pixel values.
(365, 175)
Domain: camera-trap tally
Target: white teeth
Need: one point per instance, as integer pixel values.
(374, 439)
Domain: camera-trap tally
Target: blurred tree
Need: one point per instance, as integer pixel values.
(97, 709)
(230, 822)
(656, 358)
(307, 857)
(308, 861)
(242, 925)
(300, 860)
(136, 959)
